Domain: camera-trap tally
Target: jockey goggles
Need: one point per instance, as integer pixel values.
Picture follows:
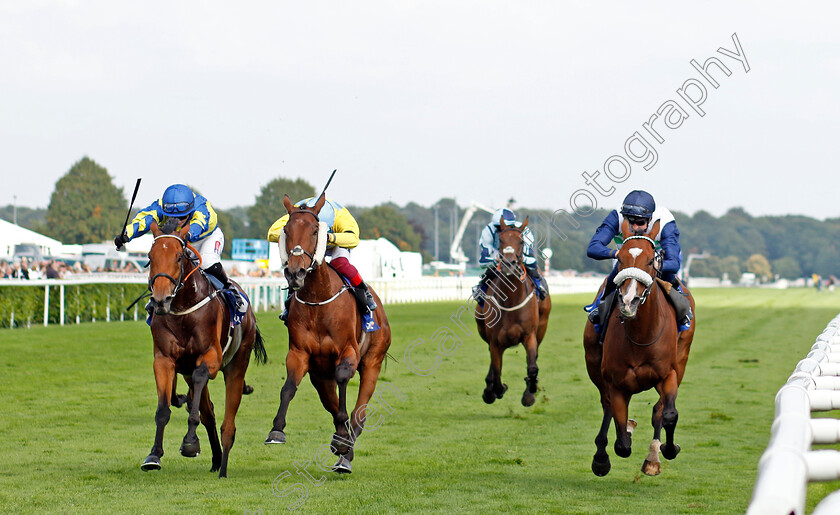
(634, 220)
(177, 207)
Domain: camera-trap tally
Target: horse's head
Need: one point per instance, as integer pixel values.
(510, 247)
(303, 241)
(167, 261)
(636, 269)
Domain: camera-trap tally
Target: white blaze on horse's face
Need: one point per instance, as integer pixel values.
(635, 252)
(509, 251)
(627, 306)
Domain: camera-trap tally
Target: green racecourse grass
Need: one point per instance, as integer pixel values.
(79, 402)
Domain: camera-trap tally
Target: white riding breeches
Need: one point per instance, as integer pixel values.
(210, 248)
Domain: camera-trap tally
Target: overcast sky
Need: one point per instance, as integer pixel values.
(418, 100)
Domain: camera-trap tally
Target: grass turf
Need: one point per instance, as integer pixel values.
(79, 401)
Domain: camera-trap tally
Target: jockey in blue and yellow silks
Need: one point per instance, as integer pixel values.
(180, 203)
(489, 243)
(343, 236)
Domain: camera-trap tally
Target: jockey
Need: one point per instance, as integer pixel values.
(179, 202)
(639, 209)
(489, 242)
(343, 236)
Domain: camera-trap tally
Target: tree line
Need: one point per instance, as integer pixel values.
(86, 207)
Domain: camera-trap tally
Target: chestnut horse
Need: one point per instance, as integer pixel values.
(511, 315)
(643, 351)
(190, 327)
(325, 334)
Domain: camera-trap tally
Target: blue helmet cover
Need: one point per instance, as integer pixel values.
(178, 200)
(508, 215)
(639, 204)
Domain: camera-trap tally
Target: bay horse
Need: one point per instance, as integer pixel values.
(517, 317)
(325, 333)
(190, 327)
(643, 350)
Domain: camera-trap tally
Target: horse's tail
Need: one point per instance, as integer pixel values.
(259, 349)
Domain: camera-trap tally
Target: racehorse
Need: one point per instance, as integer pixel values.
(190, 327)
(517, 317)
(643, 350)
(325, 333)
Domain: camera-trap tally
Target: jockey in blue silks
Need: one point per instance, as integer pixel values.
(179, 202)
(639, 209)
(489, 243)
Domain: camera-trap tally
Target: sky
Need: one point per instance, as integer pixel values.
(479, 100)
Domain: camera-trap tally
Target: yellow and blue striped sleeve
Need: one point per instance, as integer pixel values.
(346, 229)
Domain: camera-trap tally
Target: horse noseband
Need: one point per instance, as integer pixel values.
(297, 251)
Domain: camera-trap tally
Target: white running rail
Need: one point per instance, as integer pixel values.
(789, 463)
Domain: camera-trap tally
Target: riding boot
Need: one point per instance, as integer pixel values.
(682, 306)
(480, 290)
(149, 309)
(606, 308)
(539, 281)
(364, 298)
(217, 271)
(284, 316)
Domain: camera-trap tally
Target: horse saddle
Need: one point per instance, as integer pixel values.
(369, 325)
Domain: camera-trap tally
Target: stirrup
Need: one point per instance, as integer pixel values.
(371, 303)
(284, 316)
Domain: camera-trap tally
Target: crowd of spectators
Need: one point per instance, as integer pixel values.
(56, 269)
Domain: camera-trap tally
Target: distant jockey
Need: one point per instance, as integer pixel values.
(180, 203)
(343, 236)
(489, 258)
(639, 209)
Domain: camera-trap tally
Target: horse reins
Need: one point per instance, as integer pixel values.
(643, 277)
(181, 279)
(521, 278)
(298, 250)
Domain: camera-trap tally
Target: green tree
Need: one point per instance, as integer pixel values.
(386, 222)
(787, 267)
(85, 206)
(758, 265)
(269, 205)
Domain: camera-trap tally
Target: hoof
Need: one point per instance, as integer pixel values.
(501, 394)
(623, 452)
(528, 399)
(151, 462)
(670, 452)
(179, 400)
(342, 466)
(339, 445)
(276, 437)
(190, 449)
(488, 396)
(601, 468)
(247, 389)
(651, 468)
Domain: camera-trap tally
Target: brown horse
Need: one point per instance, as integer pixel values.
(511, 315)
(325, 334)
(190, 328)
(643, 351)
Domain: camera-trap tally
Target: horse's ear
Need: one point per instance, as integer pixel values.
(625, 229)
(318, 205)
(184, 231)
(524, 224)
(502, 223)
(288, 203)
(654, 231)
(155, 229)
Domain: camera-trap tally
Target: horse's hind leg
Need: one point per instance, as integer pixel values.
(190, 446)
(670, 415)
(234, 381)
(531, 346)
(326, 389)
(208, 420)
(178, 400)
(494, 388)
(164, 375)
(652, 465)
(297, 364)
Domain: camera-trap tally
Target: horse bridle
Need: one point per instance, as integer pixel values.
(518, 262)
(179, 283)
(298, 250)
(637, 273)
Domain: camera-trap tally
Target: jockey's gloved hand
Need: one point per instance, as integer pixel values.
(120, 241)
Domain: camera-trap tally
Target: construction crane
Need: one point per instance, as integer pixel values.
(456, 252)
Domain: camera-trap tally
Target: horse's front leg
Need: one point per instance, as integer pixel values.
(347, 365)
(208, 420)
(668, 395)
(190, 446)
(297, 364)
(494, 388)
(164, 376)
(619, 401)
(601, 460)
(531, 346)
(652, 466)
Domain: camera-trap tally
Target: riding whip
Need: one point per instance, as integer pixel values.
(328, 183)
(130, 206)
